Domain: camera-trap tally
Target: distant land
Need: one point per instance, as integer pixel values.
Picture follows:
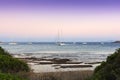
(117, 41)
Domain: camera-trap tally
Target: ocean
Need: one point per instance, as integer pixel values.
(79, 51)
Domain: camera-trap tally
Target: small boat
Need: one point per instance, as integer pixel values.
(74, 42)
(60, 43)
(102, 42)
(29, 42)
(84, 43)
(1, 43)
(12, 43)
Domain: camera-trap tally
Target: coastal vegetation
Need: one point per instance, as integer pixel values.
(9, 66)
(109, 69)
(3, 52)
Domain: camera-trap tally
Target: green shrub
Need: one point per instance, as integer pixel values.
(8, 64)
(12, 65)
(109, 70)
(3, 52)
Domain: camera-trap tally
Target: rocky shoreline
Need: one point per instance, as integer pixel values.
(55, 64)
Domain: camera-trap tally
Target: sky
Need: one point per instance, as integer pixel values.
(76, 20)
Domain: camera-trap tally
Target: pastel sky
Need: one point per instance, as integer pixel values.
(77, 20)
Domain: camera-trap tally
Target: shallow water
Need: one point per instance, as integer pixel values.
(89, 52)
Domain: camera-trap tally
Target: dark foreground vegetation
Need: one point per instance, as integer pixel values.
(10, 67)
(108, 70)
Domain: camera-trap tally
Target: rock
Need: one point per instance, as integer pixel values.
(116, 42)
(75, 66)
(93, 63)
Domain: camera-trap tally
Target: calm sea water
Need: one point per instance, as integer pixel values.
(90, 51)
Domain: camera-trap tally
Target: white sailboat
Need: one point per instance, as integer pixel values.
(84, 43)
(102, 43)
(59, 43)
(29, 43)
(12, 43)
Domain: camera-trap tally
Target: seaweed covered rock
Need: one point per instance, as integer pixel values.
(110, 69)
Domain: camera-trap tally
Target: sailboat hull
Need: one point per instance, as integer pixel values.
(60, 44)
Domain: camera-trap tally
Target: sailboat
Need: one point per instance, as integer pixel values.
(84, 43)
(12, 43)
(59, 43)
(102, 43)
(29, 43)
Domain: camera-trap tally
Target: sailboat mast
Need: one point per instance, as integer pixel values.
(58, 36)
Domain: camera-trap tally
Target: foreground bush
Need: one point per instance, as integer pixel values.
(109, 70)
(8, 64)
(12, 65)
(3, 52)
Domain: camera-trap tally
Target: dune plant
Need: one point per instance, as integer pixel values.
(110, 69)
(10, 66)
(3, 52)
